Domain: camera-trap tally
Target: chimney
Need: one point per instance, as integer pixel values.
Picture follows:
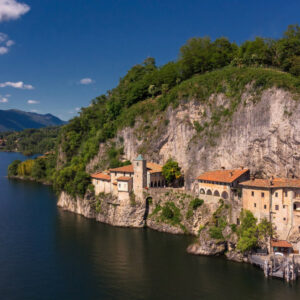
(252, 177)
(231, 173)
(223, 168)
(242, 167)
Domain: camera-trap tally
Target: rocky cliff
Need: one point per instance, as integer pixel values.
(262, 134)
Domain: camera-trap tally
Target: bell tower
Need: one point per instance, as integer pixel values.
(140, 176)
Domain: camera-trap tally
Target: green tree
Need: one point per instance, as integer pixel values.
(171, 171)
(12, 169)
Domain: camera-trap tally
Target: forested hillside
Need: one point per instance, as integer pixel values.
(204, 68)
(30, 141)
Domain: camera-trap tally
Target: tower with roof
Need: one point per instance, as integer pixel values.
(140, 176)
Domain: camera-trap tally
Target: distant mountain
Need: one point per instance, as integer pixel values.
(16, 120)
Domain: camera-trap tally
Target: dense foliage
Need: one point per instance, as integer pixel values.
(250, 233)
(31, 141)
(203, 67)
(171, 171)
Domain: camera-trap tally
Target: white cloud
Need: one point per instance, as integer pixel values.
(77, 108)
(34, 110)
(17, 85)
(9, 43)
(33, 102)
(3, 50)
(5, 43)
(86, 81)
(12, 10)
(3, 100)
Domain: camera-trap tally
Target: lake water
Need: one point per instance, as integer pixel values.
(46, 253)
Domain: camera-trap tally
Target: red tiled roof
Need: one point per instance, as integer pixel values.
(226, 176)
(125, 169)
(152, 167)
(101, 176)
(273, 183)
(124, 178)
(281, 244)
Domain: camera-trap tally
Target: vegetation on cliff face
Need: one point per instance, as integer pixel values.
(204, 68)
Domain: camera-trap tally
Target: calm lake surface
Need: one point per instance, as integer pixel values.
(46, 253)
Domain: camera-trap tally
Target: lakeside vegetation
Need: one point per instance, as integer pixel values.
(31, 141)
(204, 67)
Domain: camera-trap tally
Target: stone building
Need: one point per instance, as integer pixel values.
(221, 184)
(277, 200)
(132, 178)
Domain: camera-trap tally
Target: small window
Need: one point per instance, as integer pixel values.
(276, 207)
(265, 206)
(284, 206)
(254, 204)
(238, 221)
(137, 163)
(276, 194)
(284, 219)
(252, 193)
(285, 194)
(263, 195)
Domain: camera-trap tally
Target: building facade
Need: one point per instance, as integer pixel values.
(221, 184)
(277, 200)
(132, 178)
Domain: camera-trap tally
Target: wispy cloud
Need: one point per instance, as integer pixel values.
(34, 110)
(3, 100)
(12, 10)
(5, 43)
(86, 81)
(33, 102)
(17, 85)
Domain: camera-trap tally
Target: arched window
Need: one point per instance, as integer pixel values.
(202, 191)
(225, 195)
(155, 184)
(216, 193)
(151, 184)
(158, 184)
(208, 192)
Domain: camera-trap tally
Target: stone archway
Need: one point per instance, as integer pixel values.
(224, 195)
(202, 191)
(216, 193)
(208, 192)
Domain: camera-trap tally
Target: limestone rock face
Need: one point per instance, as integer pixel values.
(262, 134)
(110, 211)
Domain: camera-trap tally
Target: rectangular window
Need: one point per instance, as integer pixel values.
(283, 206)
(276, 194)
(284, 219)
(252, 193)
(285, 194)
(276, 207)
(265, 206)
(254, 204)
(263, 195)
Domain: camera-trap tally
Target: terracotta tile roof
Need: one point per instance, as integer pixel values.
(226, 176)
(282, 244)
(125, 169)
(124, 178)
(101, 176)
(273, 183)
(152, 167)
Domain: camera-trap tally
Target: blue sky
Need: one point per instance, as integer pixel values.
(48, 46)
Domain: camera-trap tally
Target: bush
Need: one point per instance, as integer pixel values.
(216, 233)
(171, 171)
(12, 169)
(195, 203)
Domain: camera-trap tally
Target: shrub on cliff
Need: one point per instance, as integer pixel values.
(171, 171)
